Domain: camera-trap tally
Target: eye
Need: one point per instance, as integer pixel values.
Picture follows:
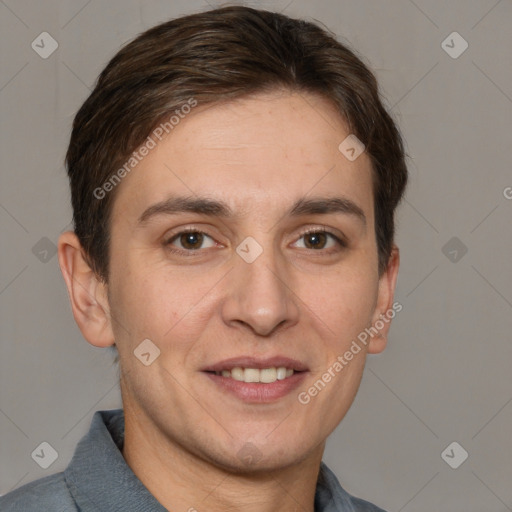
(318, 239)
(190, 240)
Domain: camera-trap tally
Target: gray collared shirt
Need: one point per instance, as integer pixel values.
(98, 480)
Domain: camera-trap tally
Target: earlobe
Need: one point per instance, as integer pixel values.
(384, 311)
(87, 293)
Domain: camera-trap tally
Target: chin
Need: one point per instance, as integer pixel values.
(251, 459)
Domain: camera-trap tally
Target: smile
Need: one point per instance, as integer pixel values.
(263, 375)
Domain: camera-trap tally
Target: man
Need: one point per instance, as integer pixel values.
(234, 178)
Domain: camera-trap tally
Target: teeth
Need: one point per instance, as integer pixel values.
(251, 375)
(268, 375)
(237, 374)
(281, 373)
(265, 375)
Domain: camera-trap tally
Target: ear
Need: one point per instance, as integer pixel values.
(381, 320)
(87, 293)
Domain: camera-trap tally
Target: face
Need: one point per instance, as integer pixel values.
(245, 241)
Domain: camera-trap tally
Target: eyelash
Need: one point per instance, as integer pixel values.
(196, 252)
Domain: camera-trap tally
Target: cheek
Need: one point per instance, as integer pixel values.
(160, 305)
(343, 310)
(344, 304)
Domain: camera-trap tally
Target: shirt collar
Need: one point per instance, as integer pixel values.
(98, 476)
(100, 479)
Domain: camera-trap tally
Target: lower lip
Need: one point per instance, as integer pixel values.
(258, 392)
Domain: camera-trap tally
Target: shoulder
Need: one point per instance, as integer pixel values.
(48, 493)
(364, 506)
(331, 496)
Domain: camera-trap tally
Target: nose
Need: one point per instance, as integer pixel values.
(260, 296)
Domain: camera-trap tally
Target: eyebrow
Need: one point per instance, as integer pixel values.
(215, 208)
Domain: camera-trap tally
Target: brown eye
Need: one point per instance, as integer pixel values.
(315, 240)
(191, 241)
(319, 240)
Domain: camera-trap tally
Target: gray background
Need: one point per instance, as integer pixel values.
(446, 374)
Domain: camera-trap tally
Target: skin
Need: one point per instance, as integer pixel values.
(184, 434)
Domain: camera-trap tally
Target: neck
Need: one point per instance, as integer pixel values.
(180, 480)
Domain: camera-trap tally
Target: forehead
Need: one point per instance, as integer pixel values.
(253, 152)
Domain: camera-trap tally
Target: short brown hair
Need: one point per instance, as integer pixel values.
(213, 57)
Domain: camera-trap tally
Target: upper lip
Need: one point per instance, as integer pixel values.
(255, 362)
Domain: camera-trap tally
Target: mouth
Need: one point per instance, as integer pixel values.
(263, 375)
(257, 380)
